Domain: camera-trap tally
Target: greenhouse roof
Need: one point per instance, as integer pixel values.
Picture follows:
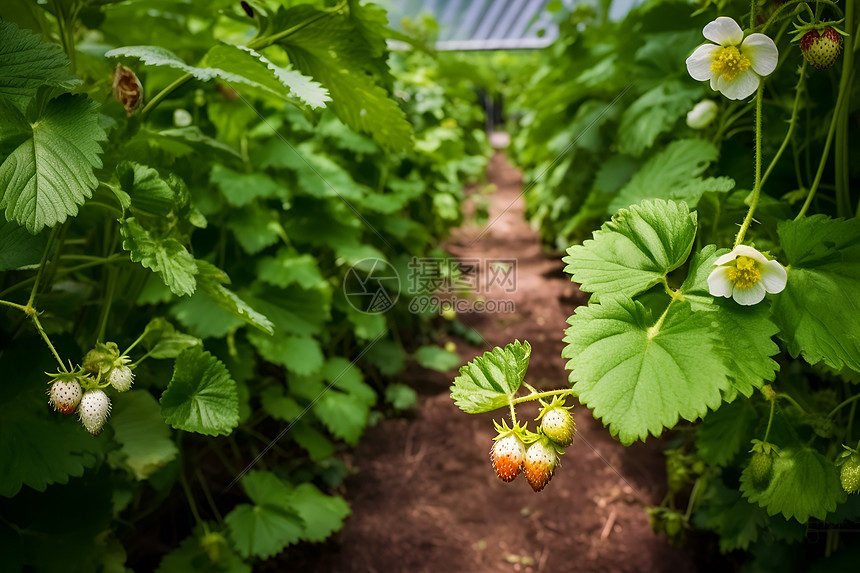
(492, 24)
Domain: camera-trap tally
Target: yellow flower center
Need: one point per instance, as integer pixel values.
(745, 274)
(729, 63)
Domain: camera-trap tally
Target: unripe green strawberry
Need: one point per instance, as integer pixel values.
(761, 468)
(820, 48)
(94, 410)
(540, 463)
(65, 395)
(507, 455)
(558, 425)
(850, 473)
(121, 378)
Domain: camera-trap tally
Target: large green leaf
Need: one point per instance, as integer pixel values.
(640, 374)
(165, 256)
(675, 174)
(201, 396)
(321, 514)
(819, 311)
(337, 51)
(635, 250)
(242, 188)
(147, 190)
(211, 281)
(145, 440)
(727, 432)
(48, 173)
(27, 63)
(804, 484)
(490, 380)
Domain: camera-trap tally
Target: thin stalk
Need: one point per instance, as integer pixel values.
(843, 192)
(190, 497)
(41, 267)
(106, 304)
(769, 420)
(853, 398)
(208, 495)
(757, 186)
(47, 340)
(82, 266)
(539, 395)
(792, 122)
(159, 97)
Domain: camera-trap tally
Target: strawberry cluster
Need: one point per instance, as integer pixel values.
(81, 390)
(536, 454)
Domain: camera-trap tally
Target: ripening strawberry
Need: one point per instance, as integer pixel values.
(821, 48)
(121, 378)
(64, 395)
(558, 425)
(507, 455)
(761, 468)
(850, 474)
(94, 410)
(540, 463)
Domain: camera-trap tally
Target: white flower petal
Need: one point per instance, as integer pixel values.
(749, 296)
(719, 283)
(761, 52)
(773, 276)
(743, 86)
(747, 251)
(724, 31)
(699, 63)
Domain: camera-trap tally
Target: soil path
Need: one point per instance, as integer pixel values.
(424, 496)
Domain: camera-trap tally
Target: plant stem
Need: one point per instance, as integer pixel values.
(769, 420)
(757, 186)
(100, 261)
(539, 395)
(47, 340)
(20, 307)
(208, 495)
(841, 100)
(843, 404)
(41, 267)
(190, 498)
(792, 122)
(793, 401)
(106, 304)
(843, 193)
(159, 97)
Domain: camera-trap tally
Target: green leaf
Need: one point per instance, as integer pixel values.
(818, 313)
(203, 317)
(27, 63)
(165, 256)
(201, 396)
(322, 514)
(334, 51)
(674, 174)
(299, 354)
(635, 250)
(145, 441)
(724, 511)
(436, 358)
(210, 281)
(192, 554)
(242, 188)
(288, 267)
(18, 248)
(655, 112)
(487, 382)
(344, 403)
(48, 173)
(267, 527)
(164, 341)
(147, 190)
(727, 432)
(640, 375)
(255, 227)
(804, 484)
(401, 396)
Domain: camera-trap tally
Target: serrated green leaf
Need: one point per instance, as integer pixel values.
(332, 49)
(255, 227)
(641, 375)
(145, 187)
(48, 173)
(487, 382)
(288, 267)
(674, 174)
(203, 317)
(242, 188)
(299, 354)
(164, 341)
(165, 256)
(819, 311)
(727, 432)
(322, 514)
(145, 439)
(314, 443)
(210, 281)
(437, 358)
(804, 484)
(201, 396)
(655, 112)
(191, 555)
(27, 63)
(635, 250)
(267, 527)
(388, 356)
(345, 406)
(401, 396)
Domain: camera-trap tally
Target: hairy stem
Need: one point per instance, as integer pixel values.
(757, 185)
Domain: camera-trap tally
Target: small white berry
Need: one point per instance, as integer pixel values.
(94, 410)
(121, 378)
(64, 396)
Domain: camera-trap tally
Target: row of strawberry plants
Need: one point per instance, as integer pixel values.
(176, 224)
(723, 286)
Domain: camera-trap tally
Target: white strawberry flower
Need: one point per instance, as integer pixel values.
(746, 275)
(734, 65)
(702, 114)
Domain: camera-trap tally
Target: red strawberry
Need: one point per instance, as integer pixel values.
(65, 395)
(541, 461)
(508, 454)
(821, 48)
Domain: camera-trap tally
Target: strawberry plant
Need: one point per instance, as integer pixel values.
(695, 164)
(184, 189)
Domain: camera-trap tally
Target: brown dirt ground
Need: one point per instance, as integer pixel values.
(424, 496)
